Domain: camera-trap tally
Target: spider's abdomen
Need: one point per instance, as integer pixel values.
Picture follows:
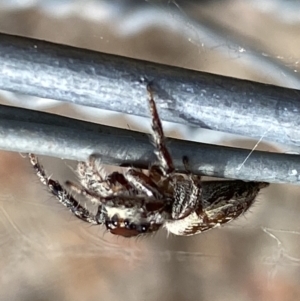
(221, 202)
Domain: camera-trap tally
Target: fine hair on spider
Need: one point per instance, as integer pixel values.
(134, 202)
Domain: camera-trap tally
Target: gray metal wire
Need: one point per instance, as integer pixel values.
(116, 83)
(119, 84)
(24, 130)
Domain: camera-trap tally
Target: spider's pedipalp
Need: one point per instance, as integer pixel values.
(94, 178)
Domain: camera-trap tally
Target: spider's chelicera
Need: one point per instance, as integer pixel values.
(137, 202)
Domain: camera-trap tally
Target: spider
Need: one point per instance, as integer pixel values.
(138, 202)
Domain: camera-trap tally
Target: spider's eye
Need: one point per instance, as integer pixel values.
(132, 226)
(115, 220)
(140, 228)
(143, 228)
(127, 223)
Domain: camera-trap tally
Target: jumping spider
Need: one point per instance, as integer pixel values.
(136, 202)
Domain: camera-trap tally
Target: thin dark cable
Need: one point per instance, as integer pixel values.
(116, 83)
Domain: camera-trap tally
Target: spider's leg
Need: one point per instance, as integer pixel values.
(115, 201)
(94, 197)
(62, 195)
(142, 183)
(162, 153)
(187, 196)
(94, 178)
(194, 178)
(91, 195)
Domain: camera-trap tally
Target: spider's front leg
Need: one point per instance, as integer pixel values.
(63, 196)
(142, 183)
(187, 194)
(164, 158)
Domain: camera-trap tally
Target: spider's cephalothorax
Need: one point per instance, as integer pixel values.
(136, 202)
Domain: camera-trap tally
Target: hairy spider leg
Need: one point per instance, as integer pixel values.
(62, 195)
(185, 204)
(117, 200)
(143, 183)
(165, 160)
(93, 196)
(196, 180)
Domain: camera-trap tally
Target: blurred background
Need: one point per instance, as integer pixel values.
(47, 254)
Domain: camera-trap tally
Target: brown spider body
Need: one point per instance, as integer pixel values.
(136, 202)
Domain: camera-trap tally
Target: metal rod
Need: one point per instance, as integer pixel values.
(25, 131)
(116, 83)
